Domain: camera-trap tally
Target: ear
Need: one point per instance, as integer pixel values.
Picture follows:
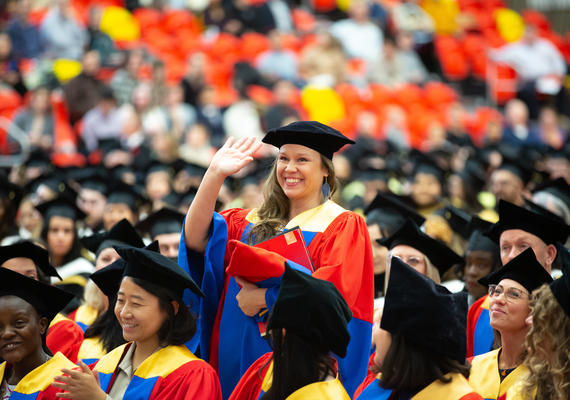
(551, 253)
(43, 323)
(175, 306)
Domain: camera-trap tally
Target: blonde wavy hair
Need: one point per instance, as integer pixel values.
(548, 344)
(431, 270)
(273, 213)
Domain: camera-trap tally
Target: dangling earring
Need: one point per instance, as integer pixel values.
(326, 189)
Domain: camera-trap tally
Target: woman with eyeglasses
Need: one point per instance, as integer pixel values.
(493, 373)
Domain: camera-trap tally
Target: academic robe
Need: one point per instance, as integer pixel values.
(65, 336)
(171, 373)
(258, 378)
(340, 249)
(36, 385)
(479, 331)
(84, 316)
(457, 389)
(91, 350)
(485, 379)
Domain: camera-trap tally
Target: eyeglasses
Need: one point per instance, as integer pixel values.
(511, 294)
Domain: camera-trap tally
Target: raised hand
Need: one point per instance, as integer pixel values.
(234, 155)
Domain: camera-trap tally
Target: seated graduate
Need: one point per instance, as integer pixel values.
(101, 244)
(28, 259)
(420, 346)
(308, 321)
(26, 308)
(548, 353)
(155, 364)
(105, 333)
(493, 373)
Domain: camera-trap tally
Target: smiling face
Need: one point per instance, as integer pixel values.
(300, 173)
(21, 329)
(508, 315)
(138, 312)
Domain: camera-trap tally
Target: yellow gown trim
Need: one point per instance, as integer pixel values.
(319, 390)
(58, 318)
(91, 348)
(41, 377)
(86, 314)
(485, 379)
(314, 220)
(159, 364)
(457, 388)
(486, 302)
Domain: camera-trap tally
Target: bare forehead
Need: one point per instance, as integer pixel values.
(518, 235)
(405, 250)
(18, 263)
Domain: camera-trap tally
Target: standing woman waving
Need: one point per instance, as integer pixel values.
(297, 193)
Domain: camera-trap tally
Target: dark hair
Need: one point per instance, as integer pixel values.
(107, 328)
(408, 367)
(178, 328)
(296, 363)
(75, 251)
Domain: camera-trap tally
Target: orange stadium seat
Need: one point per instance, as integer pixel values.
(252, 45)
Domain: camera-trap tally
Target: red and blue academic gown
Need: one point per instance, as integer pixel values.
(171, 373)
(479, 331)
(457, 389)
(65, 336)
(258, 379)
(339, 246)
(84, 316)
(485, 379)
(36, 385)
(91, 350)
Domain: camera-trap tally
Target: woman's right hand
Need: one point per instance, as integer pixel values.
(233, 156)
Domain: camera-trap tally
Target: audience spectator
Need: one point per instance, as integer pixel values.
(9, 72)
(25, 36)
(281, 112)
(100, 41)
(242, 119)
(158, 84)
(63, 36)
(540, 69)
(277, 62)
(82, 92)
(359, 36)
(518, 130)
(211, 115)
(179, 115)
(323, 62)
(194, 80)
(125, 80)
(102, 122)
(196, 147)
(36, 120)
(549, 130)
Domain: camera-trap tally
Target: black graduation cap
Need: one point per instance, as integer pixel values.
(10, 191)
(27, 249)
(393, 211)
(369, 174)
(94, 179)
(477, 239)
(157, 166)
(108, 278)
(63, 206)
(561, 287)
(524, 269)
(457, 219)
(441, 256)
(52, 180)
(512, 216)
(312, 134)
(47, 300)
(165, 220)
(122, 233)
(558, 188)
(473, 175)
(121, 193)
(514, 164)
(153, 267)
(537, 208)
(426, 164)
(426, 314)
(109, 145)
(38, 158)
(194, 169)
(313, 309)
